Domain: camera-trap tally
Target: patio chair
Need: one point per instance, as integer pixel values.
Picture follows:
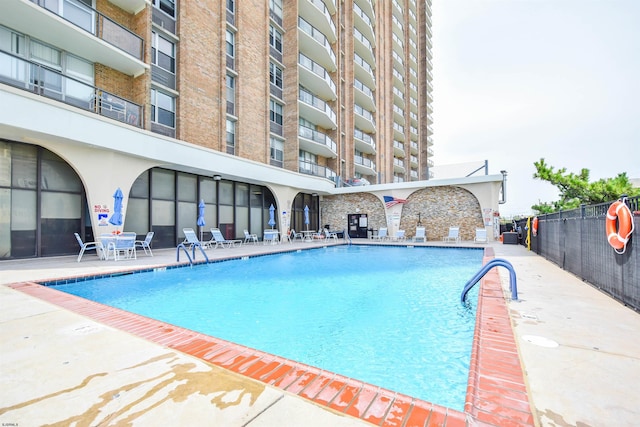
(295, 236)
(123, 246)
(146, 243)
(421, 234)
(399, 237)
(382, 234)
(453, 236)
(191, 239)
(218, 240)
(250, 238)
(481, 235)
(330, 234)
(87, 246)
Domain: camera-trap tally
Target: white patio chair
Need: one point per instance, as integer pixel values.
(87, 246)
(453, 236)
(421, 234)
(146, 243)
(481, 235)
(250, 238)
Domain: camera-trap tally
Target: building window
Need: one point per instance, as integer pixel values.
(231, 6)
(275, 38)
(167, 6)
(275, 113)
(276, 7)
(231, 136)
(231, 42)
(275, 75)
(231, 94)
(163, 108)
(277, 152)
(163, 53)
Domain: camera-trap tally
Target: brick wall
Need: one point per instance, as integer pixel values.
(439, 208)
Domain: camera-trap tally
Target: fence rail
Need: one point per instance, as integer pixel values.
(576, 241)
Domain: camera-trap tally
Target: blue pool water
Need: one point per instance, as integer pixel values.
(389, 316)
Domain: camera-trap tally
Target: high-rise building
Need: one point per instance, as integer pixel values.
(281, 98)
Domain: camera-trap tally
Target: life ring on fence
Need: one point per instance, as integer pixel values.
(534, 226)
(618, 236)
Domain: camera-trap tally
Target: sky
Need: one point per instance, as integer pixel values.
(520, 80)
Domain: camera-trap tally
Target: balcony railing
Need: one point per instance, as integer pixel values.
(317, 69)
(358, 134)
(316, 170)
(317, 35)
(310, 99)
(364, 162)
(52, 84)
(97, 24)
(317, 136)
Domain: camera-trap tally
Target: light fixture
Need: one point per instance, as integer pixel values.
(314, 194)
(217, 177)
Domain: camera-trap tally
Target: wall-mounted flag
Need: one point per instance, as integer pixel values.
(391, 201)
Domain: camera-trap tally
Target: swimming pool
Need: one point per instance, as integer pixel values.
(358, 311)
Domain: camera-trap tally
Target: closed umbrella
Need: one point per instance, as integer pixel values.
(272, 220)
(116, 217)
(306, 216)
(201, 222)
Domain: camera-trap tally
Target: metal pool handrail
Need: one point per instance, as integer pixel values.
(193, 250)
(484, 270)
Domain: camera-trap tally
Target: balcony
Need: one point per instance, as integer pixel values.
(315, 45)
(364, 119)
(363, 22)
(364, 71)
(315, 77)
(398, 114)
(364, 143)
(414, 161)
(80, 30)
(398, 131)
(309, 168)
(398, 148)
(317, 14)
(316, 110)
(363, 47)
(414, 147)
(51, 84)
(316, 142)
(398, 165)
(364, 166)
(367, 7)
(364, 95)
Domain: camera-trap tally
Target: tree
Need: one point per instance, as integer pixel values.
(576, 189)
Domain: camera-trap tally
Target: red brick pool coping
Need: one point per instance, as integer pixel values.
(496, 392)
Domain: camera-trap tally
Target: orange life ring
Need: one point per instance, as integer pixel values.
(534, 226)
(618, 236)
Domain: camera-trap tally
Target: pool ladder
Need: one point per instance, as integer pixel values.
(346, 236)
(193, 250)
(484, 270)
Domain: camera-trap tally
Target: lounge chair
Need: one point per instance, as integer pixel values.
(421, 234)
(453, 236)
(88, 246)
(399, 237)
(191, 239)
(382, 234)
(330, 235)
(481, 235)
(250, 238)
(146, 243)
(218, 240)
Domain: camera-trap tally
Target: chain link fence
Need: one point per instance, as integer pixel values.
(576, 241)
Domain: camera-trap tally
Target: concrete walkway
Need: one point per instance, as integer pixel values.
(580, 349)
(580, 352)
